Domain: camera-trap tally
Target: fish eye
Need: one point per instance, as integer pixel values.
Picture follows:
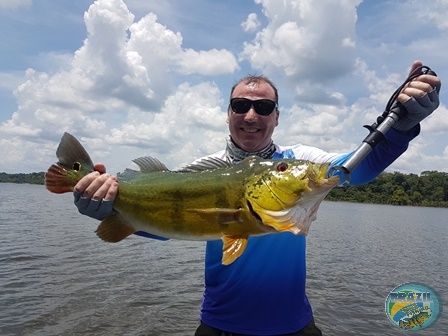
(281, 167)
(77, 166)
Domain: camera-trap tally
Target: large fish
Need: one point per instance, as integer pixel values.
(416, 320)
(208, 200)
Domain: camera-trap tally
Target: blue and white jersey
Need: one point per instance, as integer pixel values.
(263, 291)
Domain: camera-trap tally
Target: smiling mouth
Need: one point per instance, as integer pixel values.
(250, 130)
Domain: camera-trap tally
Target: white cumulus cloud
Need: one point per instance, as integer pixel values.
(212, 62)
(251, 24)
(301, 35)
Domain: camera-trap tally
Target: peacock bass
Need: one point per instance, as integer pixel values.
(207, 200)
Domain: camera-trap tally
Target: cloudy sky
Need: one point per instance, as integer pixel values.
(132, 78)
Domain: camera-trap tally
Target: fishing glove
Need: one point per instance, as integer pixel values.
(98, 209)
(418, 109)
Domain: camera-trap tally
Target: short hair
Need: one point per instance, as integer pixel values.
(255, 79)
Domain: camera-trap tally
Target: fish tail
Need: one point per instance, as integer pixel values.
(56, 180)
(74, 163)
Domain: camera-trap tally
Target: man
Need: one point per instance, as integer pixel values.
(263, 291)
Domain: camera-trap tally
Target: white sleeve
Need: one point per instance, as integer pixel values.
(313, 154)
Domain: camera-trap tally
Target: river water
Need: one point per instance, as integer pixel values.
(58, 278)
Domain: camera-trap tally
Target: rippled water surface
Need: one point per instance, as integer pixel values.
(58, 278)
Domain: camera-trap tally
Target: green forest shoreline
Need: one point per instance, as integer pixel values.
(429, 189)
(31, 178)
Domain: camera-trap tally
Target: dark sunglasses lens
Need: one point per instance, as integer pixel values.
(264, 107)
(240, 106)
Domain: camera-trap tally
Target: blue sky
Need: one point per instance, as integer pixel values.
(132, 78)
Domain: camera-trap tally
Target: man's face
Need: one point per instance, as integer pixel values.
(251, 131)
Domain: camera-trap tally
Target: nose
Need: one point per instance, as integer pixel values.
(251, 115)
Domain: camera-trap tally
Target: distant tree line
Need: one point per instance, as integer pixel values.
(429, 189)
(32, 178)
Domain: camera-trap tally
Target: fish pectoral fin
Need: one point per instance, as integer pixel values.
(232, 248)
(113, 229)
(222, 216)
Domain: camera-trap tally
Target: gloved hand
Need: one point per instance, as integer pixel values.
(99, 190)
(418, 109)
(420, 97)
(98, 209)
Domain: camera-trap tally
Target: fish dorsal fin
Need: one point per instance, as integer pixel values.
(148, 164)
(128, 174)
(209, 163)
(70, 151)
(232, 248)
(113, 229)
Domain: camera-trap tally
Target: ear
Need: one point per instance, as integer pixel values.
(228, 115)
(276, 117)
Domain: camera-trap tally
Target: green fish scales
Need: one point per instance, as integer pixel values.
(207, 200)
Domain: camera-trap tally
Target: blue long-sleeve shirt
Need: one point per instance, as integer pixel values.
(263, 291)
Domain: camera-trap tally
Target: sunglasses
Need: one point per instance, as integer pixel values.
(262, 107)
